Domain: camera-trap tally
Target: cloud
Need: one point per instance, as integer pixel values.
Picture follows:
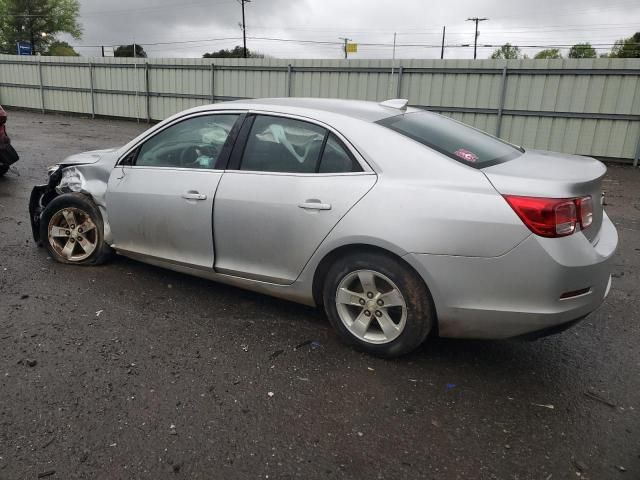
(418, 24)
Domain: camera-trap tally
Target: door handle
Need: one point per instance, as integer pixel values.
(314, 205)
(194, 196)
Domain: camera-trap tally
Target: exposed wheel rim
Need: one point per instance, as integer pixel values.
(72, 234)
(371, 306)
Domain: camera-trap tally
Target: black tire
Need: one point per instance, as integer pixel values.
(420, 311)
(3, 169)
(80, 203)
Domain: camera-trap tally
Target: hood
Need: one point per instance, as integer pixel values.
(87, 157)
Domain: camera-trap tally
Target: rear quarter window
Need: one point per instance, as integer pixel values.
(454, 139)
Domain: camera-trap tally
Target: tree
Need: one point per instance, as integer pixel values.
(236, 52)
(507, 52)
(582, 50)
(627, 47)
(38, 22)
(61, 49)
(127, 51)
(548, 53)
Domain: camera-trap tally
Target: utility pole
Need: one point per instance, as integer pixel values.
(244, 28)
(475, 40)
(442, 48)
(346, 40)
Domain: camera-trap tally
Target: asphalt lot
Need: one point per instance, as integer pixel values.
(145, 373)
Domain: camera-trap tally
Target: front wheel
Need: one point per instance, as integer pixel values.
(71, 229)
(378, 304)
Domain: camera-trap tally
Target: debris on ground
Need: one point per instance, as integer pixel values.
(275, 354)
(244, 347)
(451, 385)
(270, 394)
(621, 468)
(598, 398)
(49, 442)
(579, 466)
(31, 362)
(24, 297)
(48, 473)
(315, 344)
(549, 406)
(99, 312)
(172, 430)
(303, 344)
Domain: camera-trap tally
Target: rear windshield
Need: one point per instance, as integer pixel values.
(454, 139)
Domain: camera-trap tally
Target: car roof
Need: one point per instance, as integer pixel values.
(359, 109)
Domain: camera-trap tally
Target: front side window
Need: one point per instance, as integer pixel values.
(193, 143)
(454, 139)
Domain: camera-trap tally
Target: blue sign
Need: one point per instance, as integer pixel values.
(24, 48)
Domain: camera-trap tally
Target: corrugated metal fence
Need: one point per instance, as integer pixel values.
(589, 107)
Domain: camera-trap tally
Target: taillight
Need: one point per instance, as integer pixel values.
(585, 211)
(552, 217)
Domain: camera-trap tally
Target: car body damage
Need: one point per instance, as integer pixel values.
(86, 173)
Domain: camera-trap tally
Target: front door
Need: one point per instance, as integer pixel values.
(291, 185)
(160, 199)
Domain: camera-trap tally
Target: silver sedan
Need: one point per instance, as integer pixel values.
(398, 222)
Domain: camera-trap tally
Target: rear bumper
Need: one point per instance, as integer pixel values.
(519, 292)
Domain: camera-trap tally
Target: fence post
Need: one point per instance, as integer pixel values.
(503, 95)
(41, 85)
(399, 85)
(146, 91)
(289, 77)
(93, 100)
(213, 83)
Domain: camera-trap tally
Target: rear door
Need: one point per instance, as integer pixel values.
(289, 183)
(160, 196)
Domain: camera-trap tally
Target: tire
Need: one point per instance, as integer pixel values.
(412, 313)
(77, 231)
(3, 169)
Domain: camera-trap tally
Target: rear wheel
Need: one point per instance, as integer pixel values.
(378, 304)
(71, 229)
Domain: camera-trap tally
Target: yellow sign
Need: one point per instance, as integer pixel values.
(352, 48)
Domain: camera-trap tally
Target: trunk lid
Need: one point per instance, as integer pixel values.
(555, 175)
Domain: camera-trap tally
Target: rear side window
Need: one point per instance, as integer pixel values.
(454, 139)
(336, 158)
(283, 145)
(286, 145)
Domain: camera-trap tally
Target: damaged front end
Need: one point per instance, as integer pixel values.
(61, 180)
(81, 173)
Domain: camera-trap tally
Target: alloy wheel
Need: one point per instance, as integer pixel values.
(72, 234)
(371, 306)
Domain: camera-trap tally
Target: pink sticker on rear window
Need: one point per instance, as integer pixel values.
(466, 155)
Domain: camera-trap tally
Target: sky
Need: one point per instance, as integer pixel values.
(190, 28)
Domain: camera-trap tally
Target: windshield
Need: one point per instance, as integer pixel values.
(454, 139)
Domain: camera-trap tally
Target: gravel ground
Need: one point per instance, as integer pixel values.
(131, 371)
